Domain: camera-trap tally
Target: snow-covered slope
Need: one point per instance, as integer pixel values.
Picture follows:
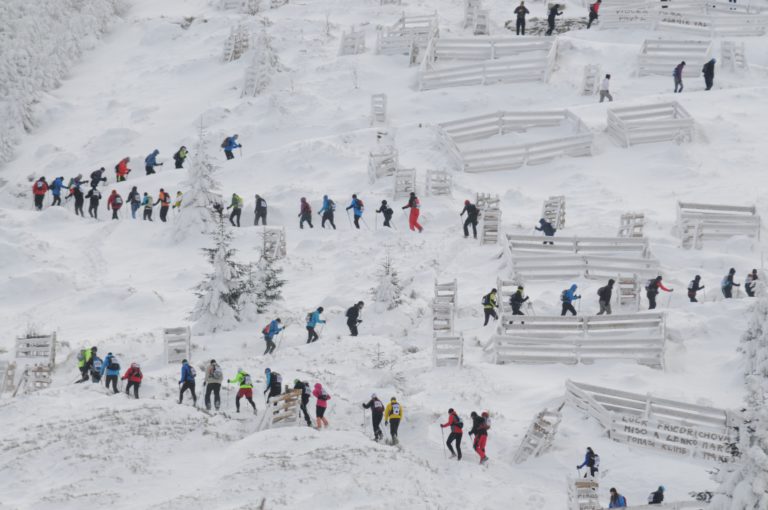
(149, 83)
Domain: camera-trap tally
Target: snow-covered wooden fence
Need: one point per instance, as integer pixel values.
(491, 226)
(390, 2)
(446, 292)
(438, 182)
(406, 34)
(722, 24)
(619, 246)
(448, 351)
(568, 266)
(178, 344)
(34, 378)
(553, 211)
(628, 290)
(37, 347)
(540, 435)
(470, 8)
(481, 23)
(273, 242)
(659, 122)
(504, 290)
(237, 43)
(443, 317)
(660, 56)
(627, 14)
(699, 223)
(583, 495)
(7, 376)
(378, 109)
(352, 42)
(508, 154)
(733, 56)
(382, 164)
(404, 182)
(282, 411)
(664, 425)
(591, 82)
(484, 201)
(631, 225)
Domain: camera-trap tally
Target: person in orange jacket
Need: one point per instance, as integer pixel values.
(122, 170)
(134, 376)
(415, 206)
(164, 199)
(114, 202)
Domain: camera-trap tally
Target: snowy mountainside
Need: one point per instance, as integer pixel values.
(147, 84)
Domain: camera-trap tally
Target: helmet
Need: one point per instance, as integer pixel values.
(213, 362)
(662, 488)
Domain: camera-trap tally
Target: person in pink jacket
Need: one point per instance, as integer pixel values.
(322, 404)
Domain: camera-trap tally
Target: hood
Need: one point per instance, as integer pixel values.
(573, 288)
(318, 386)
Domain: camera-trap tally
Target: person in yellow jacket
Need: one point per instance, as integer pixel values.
(246, 388)
(84, 362)
(489, 306)
(177, 202)
(392, 415)
(237, 207)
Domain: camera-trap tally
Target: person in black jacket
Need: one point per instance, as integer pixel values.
(551, 18)
(134, 200)
(604, 294)
(480, 426)
(749, 283)
(260, 211)
(305, 393)
(377, 413)
(76, 192)
(97, 177)
(472, 215)
(727, 284)
(694, 287)
(93, 204)
(386, 211)
(657, 497)
(709, 73)
(353, 317)
(520, 12)
(547, 228)
(517, 300)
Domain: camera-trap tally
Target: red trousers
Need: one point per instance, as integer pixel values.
(480, 445)
(413, 219)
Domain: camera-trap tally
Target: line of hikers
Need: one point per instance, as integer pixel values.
(591, 463)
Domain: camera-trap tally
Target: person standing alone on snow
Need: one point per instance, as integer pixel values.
(269, 332)
(652, 290)
(677, 74)
(472, 215)
(313, 319)
(520, 12)
(377, 413)
(305, 213)
(321, 406)
(605, 85)
(727, 284)
(480, 426)
(392, 415)
(327, 211)
(567, 297)
(187, 382)
(604, 297)
(353, 317)
(709, 73)
(414, 205)
(456, 425)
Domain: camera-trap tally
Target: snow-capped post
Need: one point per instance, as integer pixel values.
(387, 294)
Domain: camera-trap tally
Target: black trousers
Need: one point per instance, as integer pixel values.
(114, 213)
(455, 437)
(228, 154)
(187, 385)
(567, 307)
(135, 386)
(93, 209)
(213, 388)
(150, 169)
(260, 215)
(357, 221)
(352, 325)
(328, 216)
(306, 218)
(235, 216)
(304, 402)
(592, 18)
(727, 292)
(692, 297)
(520, 26)
(489, 312)
(39, 201)
(79, 207)
(148, 213)
(270, 345)
(651, 300)
(57, 198)
(394, 423)
(163, 213)
(709, 81)
(376, 422)
(551, 23)
(467, 223)
(749, 289)
(311, 335)
(112, 379)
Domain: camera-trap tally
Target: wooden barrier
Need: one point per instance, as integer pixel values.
(274, 243)
(491, 226)
(627, 14)
(733, 56)
(470, 8)
(713, 24)
(647, 323)
(378, 109)
(352, 43)
(540, 435)
(405, 34)
(7, 376)
(553, 211)
(382, 164)
(651, 123)
(37, 347)
(591, 82)
(519, 244)
(448, 351)
(178, 344)
(485, 201)
(631, 225)
(660, 56)
(404, 182)
(569, 266)
(582, 494)
(699, 223)
(438, 182)
(282, 411)
(628, 290)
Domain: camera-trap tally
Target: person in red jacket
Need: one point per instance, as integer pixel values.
(134, 376)
(39, 189)
(456, 432)
(122, 169)
(414, 205)
(652, 290)
(305, 213)
(593, 10)
(114, 202)
(480, 426)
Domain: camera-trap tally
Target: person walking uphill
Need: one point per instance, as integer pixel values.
(387, 212)
(229, 144)
(75, 191)
(321, 406)
(693, 287)
(305, 213)
(56, 186)
(164, 199)
(179, 156)
(85, 362)
(134, 200)
(567, 297)
(516, 301)
(260, 212)
(269, 332)
(593, 10)
(313, 319)
(480, 426)
(305, 394)
(617, 500)
(727, 284)
(146, 201)
(114, 202)
(456, 425)
(652, 290)
(415, 206)
(327, 212)
(604, 297)
(134, 377)
(122, 170)
(150, 162)
(393, 413)
(605, 86)
(353, 317)
(357, 209)
(187, 382)
(520, 13)
(553, 11)
(677, 74)
(111, 367)
(94, 197)
(592, 461)
(377, 413)
(489, 306)
(246, 388)
(709, 73)
(97, 176)
(547, 228)
(472, 215)
(214, 376)
(237, 207)
(273, 383)
(39, 189)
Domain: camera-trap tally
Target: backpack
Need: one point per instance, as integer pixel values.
(277, 379)
(650, 285)
(225, 143)
(217, 373)
(486, 300)
(360, 204)
(309, 317)
(597, 461)
(600, 291)
(395, 408)
(118, 200)
(81, 355)
(39, 184)
(137, 372)
(349, 311)
(192, 372)
(331, 205)
(725, 283)
(691, 285)
(651, 497)
(377, 404)
(265, 331)
(97, 364)
(458, 422)
(305, 390)
(113, 364)
(246, 381)
(564, 296)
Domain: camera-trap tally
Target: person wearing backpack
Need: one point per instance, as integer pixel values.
(303, 386)
(85, 362)
(604, 297)
(693, 287)
(353, 317)
(480, 426)
(593, 10)
(456, 425)
(56, 186)
(187, 382)
(749, 283)
(377, 414)
(592, 461)
(214, 376)
(269, 332)
(567, 297)
(94, 197)
(179, 156)
(246, 389)
(237, 206)
(97, 176)
(387, 212)
(415, 206)
(122, 170)
(111, 368)
(656, 497)
(321, 405)
(114, 202)
(75, 191)
(357, 209)
(327, 211)
(229, 144)
(146, 201)
(472, 215)
(273, 383)
(617, 500)
(177, 201)
(677, 74)
(96, 364)
(516, 300)
(134, 376)
(305, 213)
(164, 199)
(39, 189)
(313, 319)
(727, 284)
(547, 228)
(134, 200)
(489, 306)
(709, 73)
(150, 162)
(393, 413)
(260, 211)
(652, 290)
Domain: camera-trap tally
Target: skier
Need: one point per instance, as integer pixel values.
(134, 200)
(456, 431)
(617, 500)
(39, 189)
(134, 376)
(85, 362)
(727, 284)
(177, 202)
(567, 297)
(472, 215)
(321, 405)
(229, 144)
(214, 376)
(96, 364)
(313, 319)
(553, 11)
(392, 415)
(709, 73)
(164, 199)
(547, 228)
(274, 383)
(150, 162)
(305, 394)
(489, 306)
(237, 206)
(516, 300)
(260, 211)
(179, 156)
(114, 202)
(269, 332)
(327, 210)
(592, 461)
(246, 389)
(93, 204)
(56, 186)
(652, 290)
(75, 191)
(97, 176)
(520, 11)
(656, 497)
(604, 298)
(122, 170)
(111, 367)
(147, 203)
(385, 210)
(749, 283)
(593, 9)
(693, 288)
(480, 426)
(353, 317)
(415, 206)
(305, 213)
(605, 85)
(377, 413)
(187, 382)
(677, 74)
(357, 208)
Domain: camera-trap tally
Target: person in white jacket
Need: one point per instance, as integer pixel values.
(604, 86)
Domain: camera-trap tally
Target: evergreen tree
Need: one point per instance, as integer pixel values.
(388, 293)
(264, 64)
(270, 283)
(248, 303)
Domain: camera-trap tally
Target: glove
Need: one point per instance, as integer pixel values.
(359, 322)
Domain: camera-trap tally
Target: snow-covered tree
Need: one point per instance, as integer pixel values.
(270, 285)
(250, 293)
(388, 292)
(263, 66)
(217, 295)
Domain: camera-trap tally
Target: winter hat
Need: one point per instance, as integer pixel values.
(235, 136)
(278, 320)
(383, 202)
(519, 287)
(450, 411)
(303, 199)
(373, 396)
(320, 309)
(184, 361)
(731, 271)
(485, 414)
(393, 399)
(354, 196)
(94, 349)
(413, 193)
(466, 202)
(611, 281)
(360, 303)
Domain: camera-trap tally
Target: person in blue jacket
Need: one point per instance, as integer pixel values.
(56, 187)
(150, 162)
(269, 332)
(312, 321)
(357, 208)
(327, 211)
(274, 383)
(592, 461)
(187, 382)
(617, 500)
(547, 228)
(112, 368)
(229, 144)
(567, 298)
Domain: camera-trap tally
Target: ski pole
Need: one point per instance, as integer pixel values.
(349, 219)
(445, 453)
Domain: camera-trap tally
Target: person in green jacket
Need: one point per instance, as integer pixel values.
(489, 306)
(246, 388)
(84, 362)
(237, 207)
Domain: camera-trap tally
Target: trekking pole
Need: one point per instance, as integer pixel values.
(669, 300)
(349, 219)
(363, 424)
(442, 433)
(376, 223)
(365, 223)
